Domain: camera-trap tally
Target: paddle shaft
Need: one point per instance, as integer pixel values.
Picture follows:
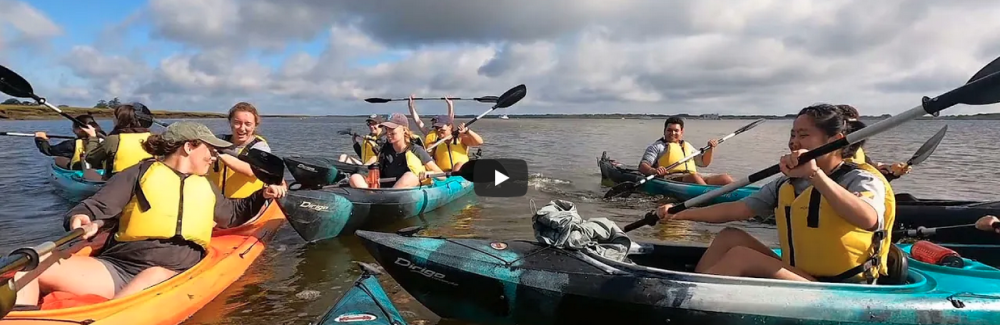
(703, 150)
(467, 124)
(17, 260)
(931, 106)
(922, 231)
(16, 134)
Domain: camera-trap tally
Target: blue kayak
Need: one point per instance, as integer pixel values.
(366, 303)
(71, 185)
(613, 173)
(499, 281)
(318, 214)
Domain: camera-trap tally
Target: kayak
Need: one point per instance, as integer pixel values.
(525, 282)
(71, 185)
(613, 172)
(911, 212)
(366, 303)
(318, 214)
(311, 172)
(232, 251)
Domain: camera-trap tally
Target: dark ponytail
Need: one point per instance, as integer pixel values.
(836, 119)
(157, 146)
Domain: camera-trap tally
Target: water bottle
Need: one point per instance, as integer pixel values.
(932, 253)
(373, 176)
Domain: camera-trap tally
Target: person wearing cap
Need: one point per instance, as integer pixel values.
(150, 201)
(366, 146)
(451, 154)
(122, 148)
(429, 136)
(399, 158)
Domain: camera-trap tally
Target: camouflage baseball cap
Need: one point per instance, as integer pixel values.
(187, 131)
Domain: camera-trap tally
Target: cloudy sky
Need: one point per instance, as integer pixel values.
(575, 56)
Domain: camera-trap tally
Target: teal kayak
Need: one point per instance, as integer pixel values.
(366, 303)
(318, 214)
(615, 172)
(71, 185)
(501, 281)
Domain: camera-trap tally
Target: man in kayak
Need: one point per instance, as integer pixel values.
(672, 148)
(429, 135)
(454, 152)
(832, 216)
(68, 154)
(233, 176)
(891, 172)
(149, 245)
(366, 145)
(400, 158)
(123, 146)
(988, 223)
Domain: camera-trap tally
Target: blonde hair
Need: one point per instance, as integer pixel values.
(249, 108)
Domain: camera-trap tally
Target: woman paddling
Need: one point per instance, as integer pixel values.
(827, 213)
(366, 145)
(150, 245)
(429, 135)
(123, 146)
(891, 172)
(453, 153)
(399, 158)
(68, 154)
(233, 176)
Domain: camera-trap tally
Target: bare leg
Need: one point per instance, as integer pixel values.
(457, 167)
(357, 181)
(726, 240)
(407, 180)
(62, 162)
(693, 178)
(720, 180)
(748, 262)
(77, 275)
(145, 279)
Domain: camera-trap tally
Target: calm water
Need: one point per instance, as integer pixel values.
(293, 283)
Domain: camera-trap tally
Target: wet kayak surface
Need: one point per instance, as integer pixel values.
(292, 282)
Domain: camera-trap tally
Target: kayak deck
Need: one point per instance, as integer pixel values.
(614, 173)
(71, 185)
(366, 303)
(232, 252)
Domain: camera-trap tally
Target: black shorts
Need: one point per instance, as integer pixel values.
(121, 273)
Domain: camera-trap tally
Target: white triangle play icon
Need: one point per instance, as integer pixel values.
(498, 178)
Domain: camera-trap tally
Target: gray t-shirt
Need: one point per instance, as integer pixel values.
(763, 202)
(659, 149)
(260, 145)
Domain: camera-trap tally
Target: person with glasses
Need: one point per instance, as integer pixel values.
(233, 176)
(366, 146)
(122, 148)
(454, 152)
(430, 137)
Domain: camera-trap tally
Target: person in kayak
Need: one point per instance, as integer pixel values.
(452, 154)
(670, 149)
(891, 172)
(366, 145)
(149, 244)
(988, 223)
(399, 158)
(68, 154)
(429, 135)
(122, 148)
(233, 176)
(832, 216)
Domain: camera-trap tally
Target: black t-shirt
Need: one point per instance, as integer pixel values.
(393, 164)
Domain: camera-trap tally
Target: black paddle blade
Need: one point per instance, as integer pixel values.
(376, 100)
(991, 96)
(511, 97)
(928, 148)
(468, 171)
(14, 85)
(487, 99)
(267, 167)
(749, 126)
(621, 190)
(345, 132)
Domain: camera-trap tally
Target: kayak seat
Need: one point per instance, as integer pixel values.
(62, 299)
(897, 266)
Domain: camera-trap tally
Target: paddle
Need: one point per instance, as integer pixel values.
(627, 188)
(27, 259)
(924, 232)
(484, 99)
(14, 85)
(32, 135)
(922, 153)
(508, 98)
(983, 88)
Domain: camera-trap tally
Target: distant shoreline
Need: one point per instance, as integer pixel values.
(24, 112)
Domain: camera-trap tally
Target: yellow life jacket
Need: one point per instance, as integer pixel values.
(130, 151)
(450, 153)
(368, 145)
(165, 205)
(431, 138)
(815, 239)
(415, 166)
(674, 153)
(235, 185)
(77, 153)
(859, 157)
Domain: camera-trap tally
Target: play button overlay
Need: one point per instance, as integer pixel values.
(501, 177)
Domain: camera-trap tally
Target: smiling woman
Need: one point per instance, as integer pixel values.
(233, 176)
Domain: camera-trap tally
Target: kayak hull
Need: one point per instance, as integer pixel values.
(910, 212)
(520, 282)
(177, 299)
(366, 303)
(70, 184)
(615, 173)
(328, 213)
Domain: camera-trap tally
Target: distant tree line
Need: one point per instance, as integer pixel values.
(100, 104)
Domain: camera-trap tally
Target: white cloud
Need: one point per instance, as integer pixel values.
(28, 26)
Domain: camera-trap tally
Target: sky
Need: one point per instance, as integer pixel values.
(322, 57)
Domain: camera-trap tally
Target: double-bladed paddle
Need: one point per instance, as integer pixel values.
(484, 99)
(926, 232)
(922, 153)
(16, 134)
(14, 85)
(507, 99)
(982, 89)
(627, 188)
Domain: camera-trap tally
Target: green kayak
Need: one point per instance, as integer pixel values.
(615, 173)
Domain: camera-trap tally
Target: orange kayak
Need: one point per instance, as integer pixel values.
(170, 302)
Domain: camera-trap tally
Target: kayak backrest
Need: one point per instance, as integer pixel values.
(898, 267)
